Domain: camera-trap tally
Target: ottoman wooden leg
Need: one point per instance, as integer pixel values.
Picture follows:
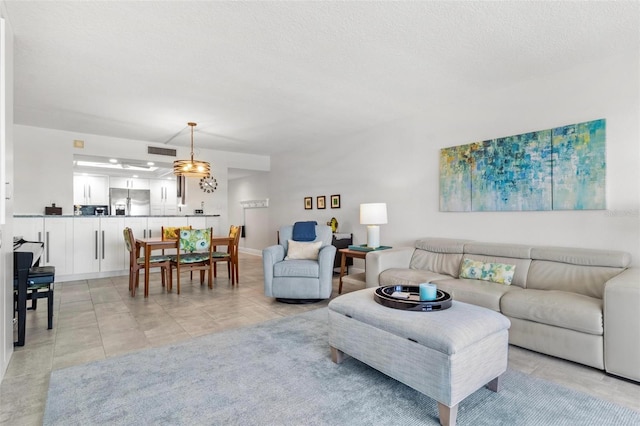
(337, 355)
(447, 414)
(495, 384)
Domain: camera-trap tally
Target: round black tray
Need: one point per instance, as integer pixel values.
(383, 296)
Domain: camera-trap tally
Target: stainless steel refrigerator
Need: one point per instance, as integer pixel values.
(129, 202)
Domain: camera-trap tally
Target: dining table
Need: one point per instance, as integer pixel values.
(148, 245)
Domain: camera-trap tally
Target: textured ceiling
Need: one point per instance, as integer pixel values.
(262, 77)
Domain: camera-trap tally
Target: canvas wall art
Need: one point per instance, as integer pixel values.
(512, 173)
(455, 178)
(579, 166)
(557, 169)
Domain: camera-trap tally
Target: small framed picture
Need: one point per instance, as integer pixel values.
(320, 201)
(335, 201)
(308, 203)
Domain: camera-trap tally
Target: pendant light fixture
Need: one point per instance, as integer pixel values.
(191, 168)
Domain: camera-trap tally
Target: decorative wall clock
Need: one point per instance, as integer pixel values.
(208, 184)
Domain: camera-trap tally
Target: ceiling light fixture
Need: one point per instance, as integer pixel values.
(191, 168)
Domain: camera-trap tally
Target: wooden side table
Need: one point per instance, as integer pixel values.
(356, 254)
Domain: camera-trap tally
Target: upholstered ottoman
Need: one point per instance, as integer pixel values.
(447, 355)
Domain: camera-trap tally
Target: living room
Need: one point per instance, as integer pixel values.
(544, 70)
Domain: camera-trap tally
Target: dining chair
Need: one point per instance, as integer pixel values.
(136, 263)
(195, 249)
(230, 256)
(236, 233)
(171, 233)
(31, 283)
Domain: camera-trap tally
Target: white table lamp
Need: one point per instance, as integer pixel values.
(372, 215)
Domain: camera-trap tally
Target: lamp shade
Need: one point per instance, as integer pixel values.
(373, 213)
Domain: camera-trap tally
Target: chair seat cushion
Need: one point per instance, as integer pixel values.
(192, 258)
(154, 259)
(297, 268)
(40, 271)
(39, 277)
(220, 254)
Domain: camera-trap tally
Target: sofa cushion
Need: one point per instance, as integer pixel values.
(407, 276)
(297, 268)
(477, 292)
(439, 255)
(500, 273)
(586, 257)
(440, 263)
(556, 308)
(581, 279)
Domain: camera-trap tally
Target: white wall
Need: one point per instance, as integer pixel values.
(45, 174)
(397, 163)
(6, 228)
(256, 220)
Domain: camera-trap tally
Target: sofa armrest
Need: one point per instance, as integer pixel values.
(379, 261)
(622, 324)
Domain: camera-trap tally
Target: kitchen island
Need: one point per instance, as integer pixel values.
(87, 247)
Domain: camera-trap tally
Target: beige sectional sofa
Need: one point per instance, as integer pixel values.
(582, 305)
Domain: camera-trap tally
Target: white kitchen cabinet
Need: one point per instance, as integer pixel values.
(197, 222)
(138, 225)
(90, 190)
(29, 228)
(98, 244)
(128, 183)
(164, 200)
(112, 244)
(58, 244)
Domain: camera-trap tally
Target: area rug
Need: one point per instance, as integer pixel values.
(280, 373)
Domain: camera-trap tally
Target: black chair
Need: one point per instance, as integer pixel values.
(31, 283)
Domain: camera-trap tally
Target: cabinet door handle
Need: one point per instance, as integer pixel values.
(96, 241)
(39, 236)
(144, 233)
(150, 234)
(47, 244)
(89, 191)
(102, 245)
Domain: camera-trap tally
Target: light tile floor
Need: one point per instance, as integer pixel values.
(96, 319)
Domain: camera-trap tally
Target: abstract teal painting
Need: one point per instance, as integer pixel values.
(556, 169)
(579, 166)
(455, 178)
(512, 173)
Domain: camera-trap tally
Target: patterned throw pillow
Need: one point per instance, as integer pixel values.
(495, 272)
(501, 273)
(194, 240)
(303, 250)
(471, 269)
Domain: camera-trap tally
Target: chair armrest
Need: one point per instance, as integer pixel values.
(379, 261)
(270, 256)
(622, 324)
(326, 257)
